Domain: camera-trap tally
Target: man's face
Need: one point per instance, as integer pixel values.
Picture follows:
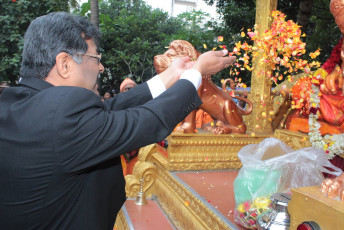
(87, 72)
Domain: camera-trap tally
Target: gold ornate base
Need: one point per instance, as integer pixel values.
(182, 207)
(296, 140)
(121, 222)
(309, 204)
(207, 151)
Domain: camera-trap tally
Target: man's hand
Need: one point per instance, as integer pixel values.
(172, 74)
(212, 62)
(333, 82)
(208, 63)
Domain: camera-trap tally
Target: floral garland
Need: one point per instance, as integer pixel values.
(333, 145)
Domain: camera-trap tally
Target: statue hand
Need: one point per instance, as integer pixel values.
(172, 74)
(332, 81)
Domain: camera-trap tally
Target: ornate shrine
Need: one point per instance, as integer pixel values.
(202, 151)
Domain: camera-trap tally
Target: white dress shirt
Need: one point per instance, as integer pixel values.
(157, 87)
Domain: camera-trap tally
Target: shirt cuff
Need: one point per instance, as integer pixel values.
(193, 76)
(156, 86)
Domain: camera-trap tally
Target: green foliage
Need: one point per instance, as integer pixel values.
(132, 34)
(195, 30)
(322, 31)
(15, 17)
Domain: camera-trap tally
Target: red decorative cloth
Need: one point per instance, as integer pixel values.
(334, 58)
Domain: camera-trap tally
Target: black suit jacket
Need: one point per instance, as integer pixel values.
(60, 148)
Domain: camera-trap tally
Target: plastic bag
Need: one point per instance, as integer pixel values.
(272, 166)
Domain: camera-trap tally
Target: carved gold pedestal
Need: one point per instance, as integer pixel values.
(309, 204)
(121, 222)
(296, 140)
(207, 151)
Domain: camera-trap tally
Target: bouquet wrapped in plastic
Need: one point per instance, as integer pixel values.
(269, 167)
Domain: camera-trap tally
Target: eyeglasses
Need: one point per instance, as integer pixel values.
(98, 57)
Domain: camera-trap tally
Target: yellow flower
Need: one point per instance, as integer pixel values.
(315, 53)
(325, 147)
(187, 203)
(240, 208)
(261, 203)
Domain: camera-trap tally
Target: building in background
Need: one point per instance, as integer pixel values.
(176, 7)
(180, 6)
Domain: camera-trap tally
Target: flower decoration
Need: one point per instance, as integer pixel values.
(332, 144)
(246, 213)
(280, 48)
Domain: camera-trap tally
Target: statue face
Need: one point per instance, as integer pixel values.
(337, 10)
(177, 48)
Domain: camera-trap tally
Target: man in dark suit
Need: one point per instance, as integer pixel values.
(60, 144)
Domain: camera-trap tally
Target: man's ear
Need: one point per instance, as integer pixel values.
(63, 64)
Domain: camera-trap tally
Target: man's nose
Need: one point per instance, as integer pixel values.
(101, 69)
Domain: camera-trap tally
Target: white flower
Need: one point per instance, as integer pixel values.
(333, 145)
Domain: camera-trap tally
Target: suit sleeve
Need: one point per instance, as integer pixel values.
(87, 134)
(134, 97)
